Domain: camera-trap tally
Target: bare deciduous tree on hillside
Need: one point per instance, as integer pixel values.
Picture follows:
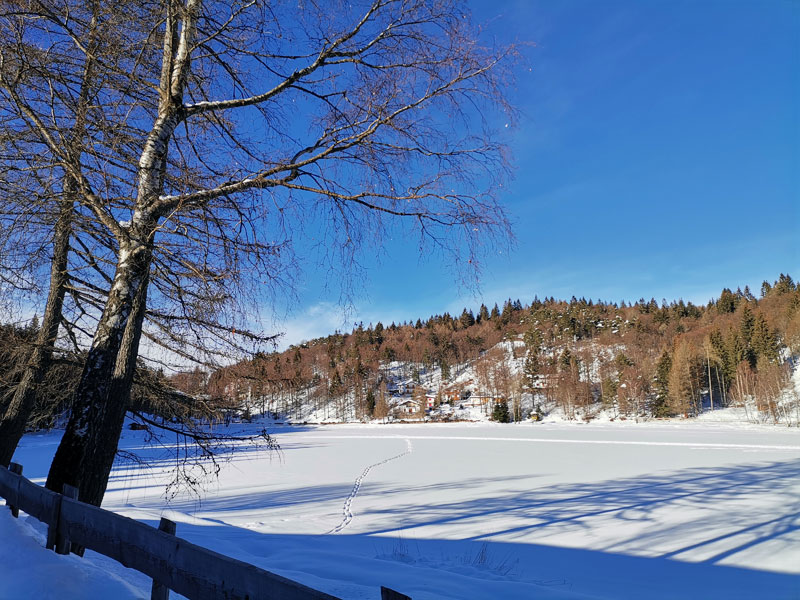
(258, 123)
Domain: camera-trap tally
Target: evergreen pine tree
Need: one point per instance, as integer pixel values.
(500, 412)
(663, 366)
(720, 350)
(727, 302)
(784, 285)
(508, 308)
(495, 312)
(746, 323)
(530, 372)
(533, 340)
(445, 369)
(622, 361)
(764, 342)
(681, 383)
(483, 314)
(735, 352)
(336, 385)
(565, 360)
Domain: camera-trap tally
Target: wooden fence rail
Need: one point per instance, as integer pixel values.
(173, 563)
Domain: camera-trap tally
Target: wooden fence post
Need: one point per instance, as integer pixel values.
(52, 524)
(159, 591)
(17, 469)
(387, 594)
(62, 543)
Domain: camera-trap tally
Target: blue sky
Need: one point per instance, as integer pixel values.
(657, 156)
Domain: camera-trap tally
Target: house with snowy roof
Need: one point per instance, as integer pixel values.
(405, 407)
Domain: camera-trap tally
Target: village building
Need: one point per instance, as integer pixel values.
(406, 407)
(430, 400)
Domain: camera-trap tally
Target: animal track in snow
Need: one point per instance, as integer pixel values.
(346, 509)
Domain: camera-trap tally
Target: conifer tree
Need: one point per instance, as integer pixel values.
(495, 313)
(336, 385)
(784, 285)
(508, 308)
(622, 361)
(727, 302)
(718, 344)
(445, 369)
(530, 372)
(682, 388)
(533, 340)
(500, 412)
(764, 342)
(483, 314)
(746, 325)
(565, 360)
(663, 367)
(735, 352)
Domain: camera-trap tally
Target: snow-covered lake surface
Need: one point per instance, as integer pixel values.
(612, 510)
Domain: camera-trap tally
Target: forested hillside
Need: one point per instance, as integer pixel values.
(579, 357)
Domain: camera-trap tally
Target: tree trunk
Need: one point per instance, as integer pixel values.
(85, 436)
(101, 454)
(22, 403)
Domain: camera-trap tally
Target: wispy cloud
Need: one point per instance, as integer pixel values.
(317, 320)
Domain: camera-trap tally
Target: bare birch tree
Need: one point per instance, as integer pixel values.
(263, 122)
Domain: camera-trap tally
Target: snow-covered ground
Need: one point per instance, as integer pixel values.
(688, 509)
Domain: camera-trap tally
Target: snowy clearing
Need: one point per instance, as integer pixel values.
(615, 510)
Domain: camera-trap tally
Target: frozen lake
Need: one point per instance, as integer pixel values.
(616, 510)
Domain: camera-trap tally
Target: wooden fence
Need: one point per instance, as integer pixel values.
(172, 563)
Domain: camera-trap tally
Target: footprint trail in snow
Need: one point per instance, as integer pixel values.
(346, 509)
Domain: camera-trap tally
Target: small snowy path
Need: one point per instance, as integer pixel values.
(346, 509)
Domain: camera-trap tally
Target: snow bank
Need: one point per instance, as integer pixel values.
(27, 570)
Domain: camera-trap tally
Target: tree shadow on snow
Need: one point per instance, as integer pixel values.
(699, 529)
(669, 533)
